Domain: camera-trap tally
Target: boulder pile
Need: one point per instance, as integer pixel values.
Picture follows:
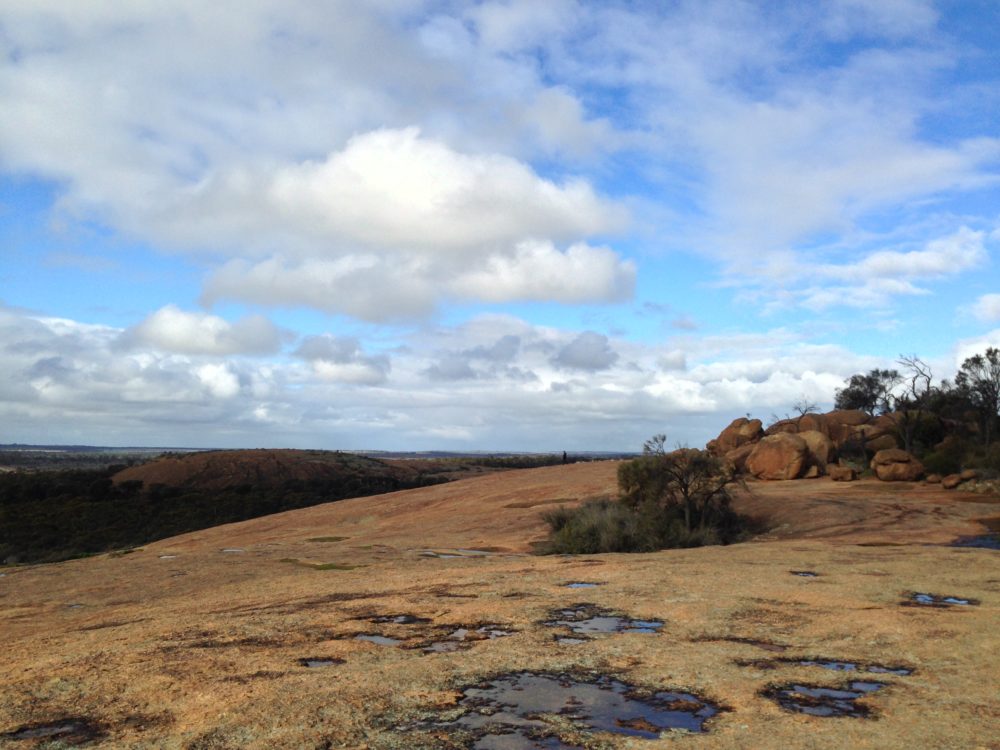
(811, 446)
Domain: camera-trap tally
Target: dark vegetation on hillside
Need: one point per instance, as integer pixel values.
(949, 426)
(666, 500)
(56, 515)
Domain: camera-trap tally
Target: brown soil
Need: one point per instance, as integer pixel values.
(184, 645)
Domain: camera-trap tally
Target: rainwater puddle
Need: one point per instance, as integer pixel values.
(588, 618)
(400, 619)
(816, 700)
(75, 605)
(527, 710)
(168, 557)
(233, 550)
(318, 662)
(832, 664)
(938, 600)
(804, 573)
(71, 730)
(581, 585)
(461, 638)
(381, 640)
(985, 541)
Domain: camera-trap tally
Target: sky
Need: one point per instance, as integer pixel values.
(503, 225)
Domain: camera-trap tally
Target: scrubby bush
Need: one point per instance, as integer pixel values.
(668, 500)
(948, 457)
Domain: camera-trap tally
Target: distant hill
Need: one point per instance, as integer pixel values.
(264, 469)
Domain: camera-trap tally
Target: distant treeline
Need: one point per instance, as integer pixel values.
(46, 516)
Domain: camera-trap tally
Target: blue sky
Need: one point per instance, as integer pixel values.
(502, 225)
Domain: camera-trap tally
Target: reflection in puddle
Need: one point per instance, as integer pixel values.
(588, 618)
(804, 573)
(581, 585)
(938, 600)
(400, 619)
(320, 661)
(832, 664)
(528, 710)
(816, 700)
(381, 640)
(462, 638)
(985, 541)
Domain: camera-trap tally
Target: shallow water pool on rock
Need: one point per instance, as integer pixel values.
(71, 731)
(590, 619)
(817, 700)
(462, 638)
(545, 710)
(375, 638)
(983, 541)
(941, 601)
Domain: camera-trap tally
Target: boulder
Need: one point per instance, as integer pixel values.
(843, 424)
(968, 475)
(813, 423)
(840, 473)
(821, 449)
(894, 465)
(737, 457)
(933, 479)
(780, 456)
(951, 481)
(739, 432)
(782, 426)
(881, 443)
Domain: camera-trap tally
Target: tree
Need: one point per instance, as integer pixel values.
(910, 405)
(690, 479)
(979, 379)
(804, 406)
(871, 393)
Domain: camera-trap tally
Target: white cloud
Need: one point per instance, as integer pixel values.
(393, 190)
(341, 359)
(220, 381)
(987, 308)
(588, 351)
(171, 329)
(538, 271)
(499, 382)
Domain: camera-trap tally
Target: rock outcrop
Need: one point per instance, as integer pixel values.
(895, 465)
(951, 481)
(737, 457)
(822, 450)
(740, 432)
(840, 473)
(779, 456)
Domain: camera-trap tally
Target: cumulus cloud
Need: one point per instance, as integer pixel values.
(588, 351)
(171, 329)
(537, 271)
(341, 359)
